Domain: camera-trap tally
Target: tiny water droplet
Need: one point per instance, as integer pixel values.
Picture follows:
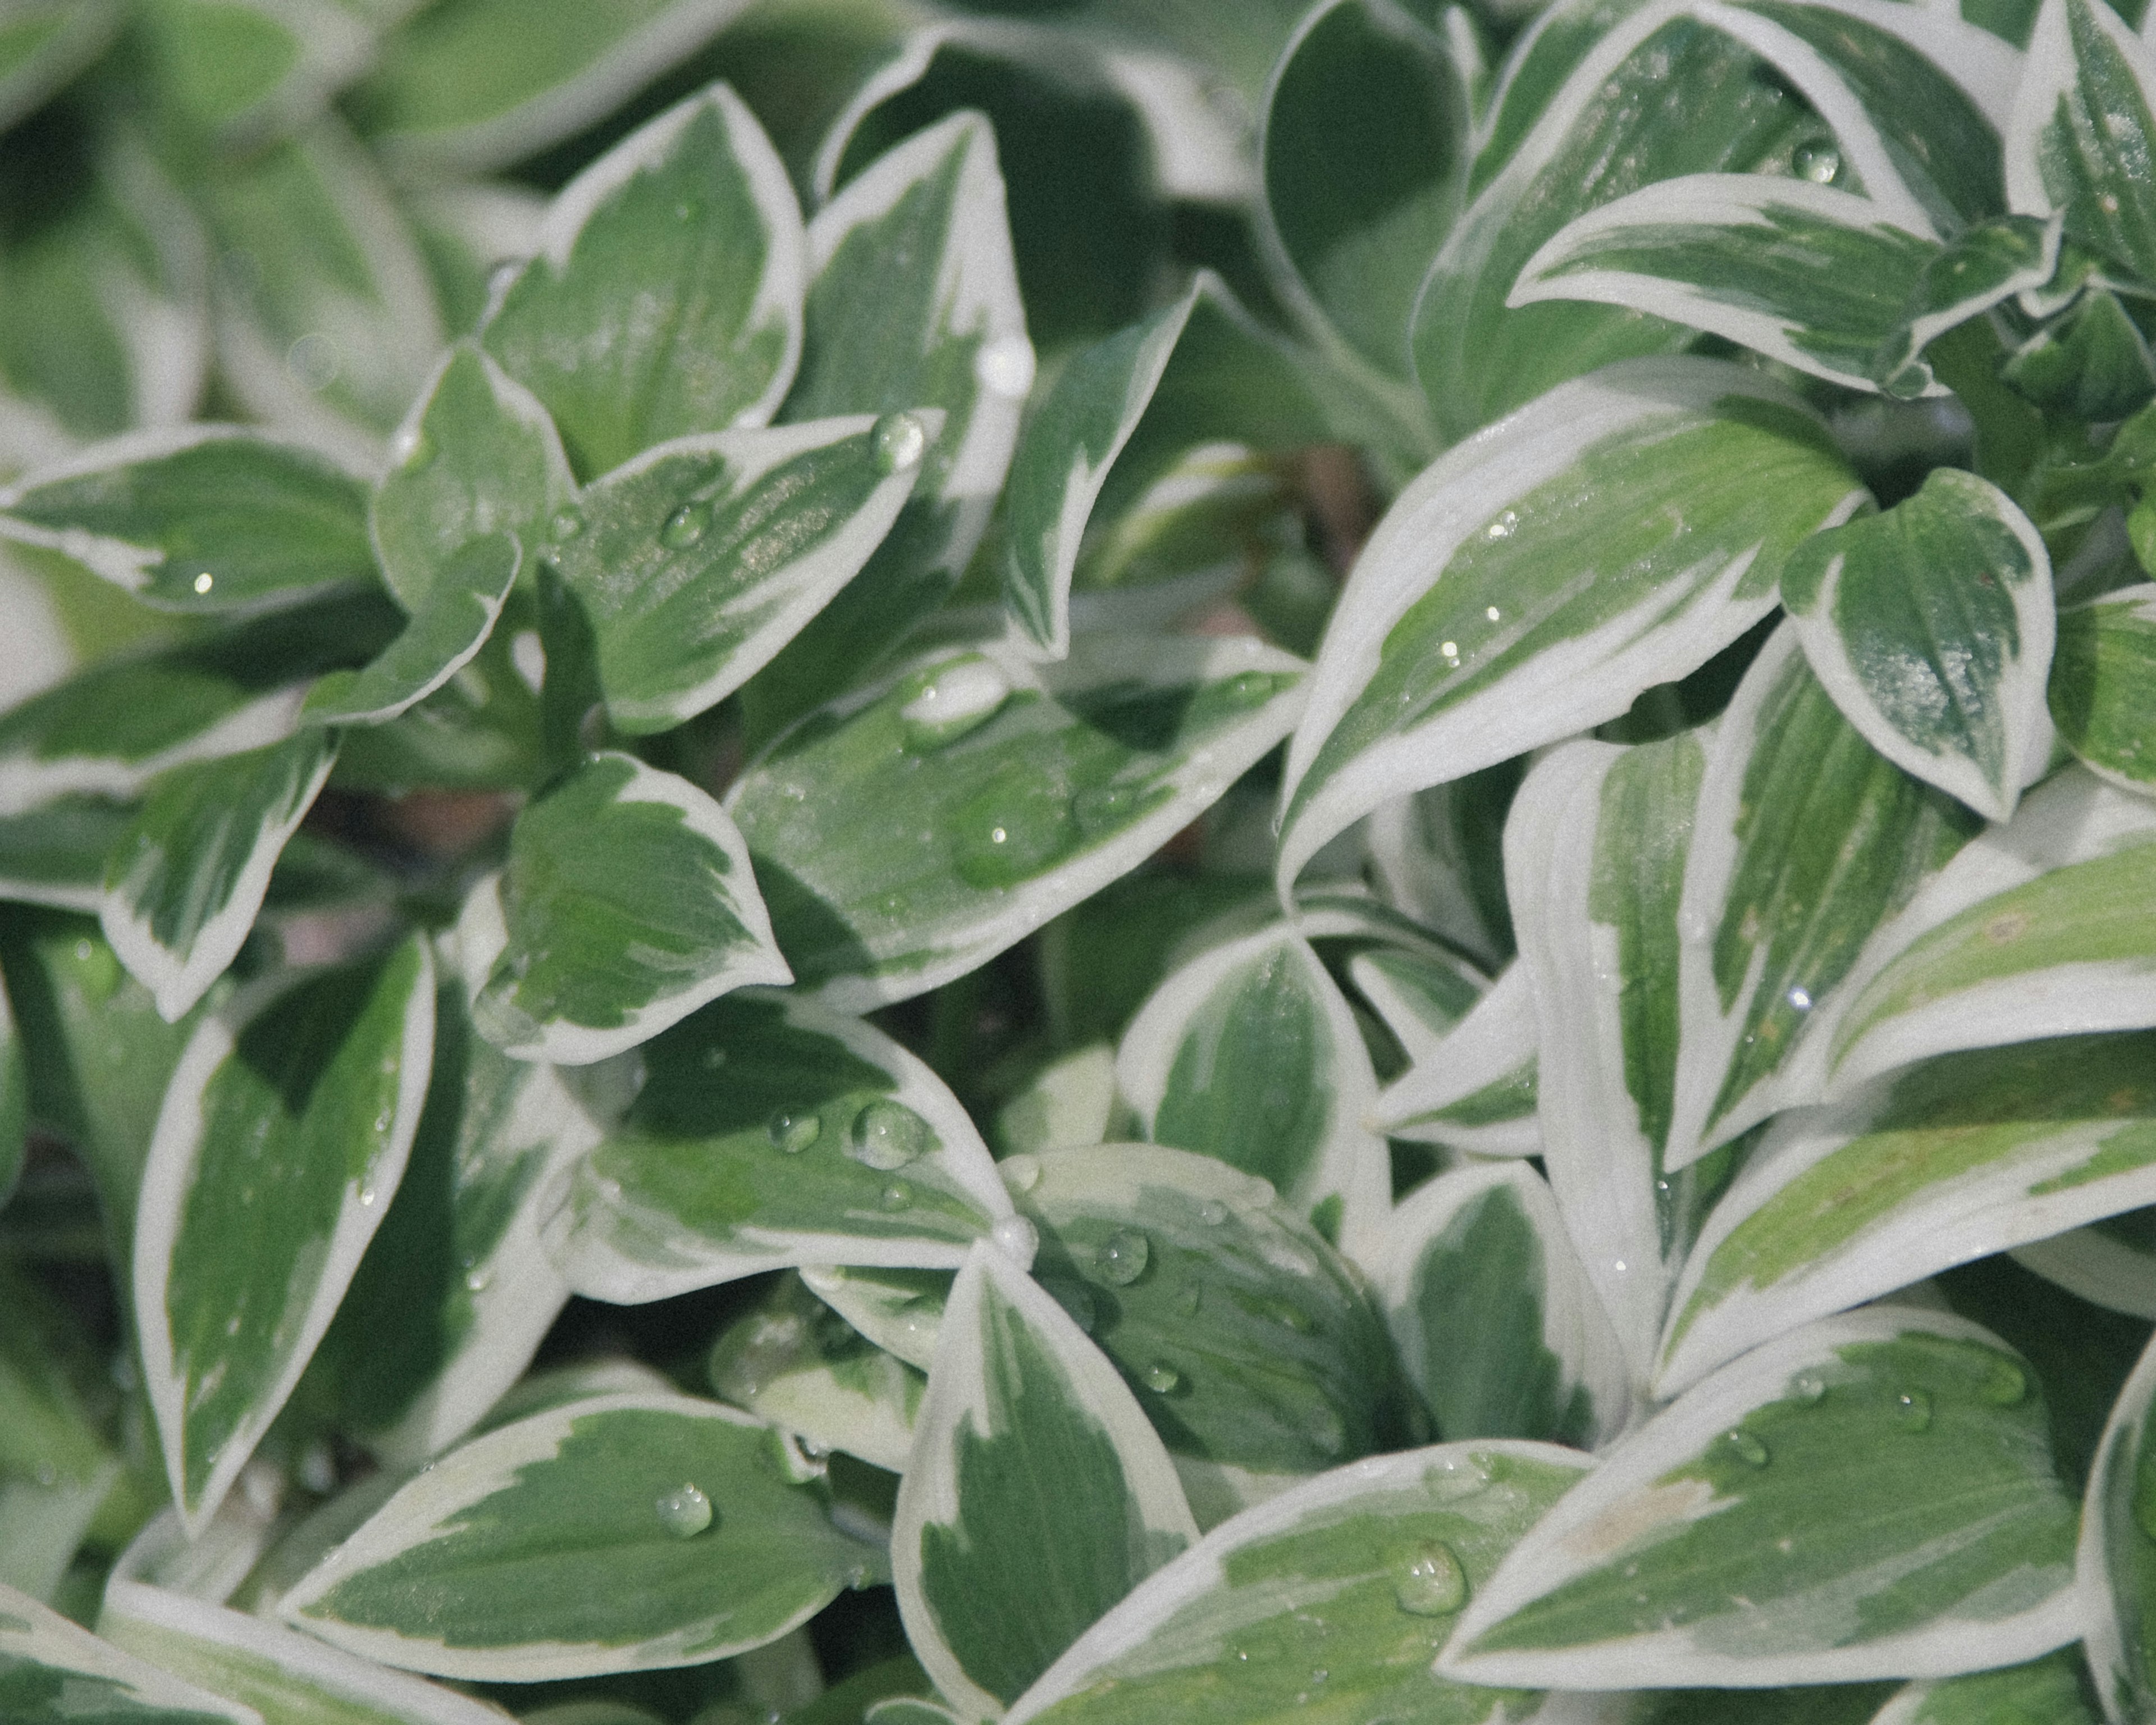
(1161, 1378)
(1011, 830)
(685, 1512)
(2004, 1385)
(1433, 1585)
(1809, 1386)
(686, 527)
(1801, 1000)
(1503, 526)
(204, 581)
(1212, 1212)
(1290, 1315)
(1243, 691)
(1913, 1410)
(1005, 366)
(1819, 162)
(382, 1120)
(412, 450)
(1102, 806)
(1021, 1172)
(1017, 1240)
(887, 1135)
(900, 441)
(566, 525)
(793, 1133)
(366, 1194)
(313, 360)
(1745, 1447)
(478, 1279)
(950, 700)
(1122, 1257)
(896, 1196)
(1493, 613)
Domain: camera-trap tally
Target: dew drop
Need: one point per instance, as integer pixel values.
(792, 1132)
(412, 450)
(948, 702)
(1433, 1585)
(1017, 1240)
(896, 1197)
(382, 1120)
(1161, 1378)
(366, 1194)
(686, 527)
(1021, 1172)
(2004, 1384)
(204, 581)
(313, 360)
(1102, 806)
(1011, 830)
(1493, 613)
(566, 525)
(1913, 1410)
(1808, 1387)
(887, 1135)
(1502, 527)
(1122, 1257)
(1819, 162)
(1005, 366)
(685, 1512)
(901, 440)
(1801, 1000)
(1243, 691)
(478, 1279)
(1212, 1212)
(1745, 1447)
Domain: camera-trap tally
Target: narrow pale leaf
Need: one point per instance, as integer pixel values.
(445, 634)
(2118, 1556)
(52, 1669)
(2083, 125)
(1477, 1090)
(2110, 1263)
(1421, 999)
(2103, 685)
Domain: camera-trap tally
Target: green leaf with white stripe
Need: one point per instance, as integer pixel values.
(665, 299)
(247, 70)
(54, 855)
(771, 1131)
(1036, 1497)
(1530, 584)
(1499, 1327)
(45, 43)
(906, 834)
(1435, 856)
(1250, 1054)
(627, 902)
(1247, 1340)
(445, 635)
(2053, 1689)
(914, 303)
(474, 85)
(203, 519)
(1595, 847)
(455, 1295)
(482, 1567)
(1358, 1574)
(2083, 124)
(2110, 1263)
(1118, 415)
(1805, 841)
(1420, 999)
(1701, 1550)
(698, 560)
(2103, 692)
(1932, 626)
(900, 1310)
(1477, 1090)
(52, 1669)
(56, 1470)
(2118, 1554)
(282, 1136)
(1942, 1162)
(184, 883)
(109, 729)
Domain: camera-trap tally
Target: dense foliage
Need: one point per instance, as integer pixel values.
(1088, 862)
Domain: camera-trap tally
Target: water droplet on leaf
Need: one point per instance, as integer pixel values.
(1808, 1387)
(1212, 1212)
(901, 440)
(793, 1133)
(1433, 1585)
(1745, 1447)
(1011, 830)
(946, 702)
(204, 581)
(567, 524)
(686, 527)
(896, 1197)
(1122, 1257)
(1913, 1410)
(1819, 162)
(1161, 1378)
(2004, 1384)
(685, 1512)
(1017, 1240)
(888, 1135)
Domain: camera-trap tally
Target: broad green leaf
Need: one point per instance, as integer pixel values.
(2051, 1689)
(696, 561)
(455, 1295)
(1943, 1162)
(2103, 691)
(445, 634)
(326, 324)
(914, 303)
(770, 1132)
(1364, 154)
(479, 84)
(665, 299)
(247, 69)
(1250, 1054)
(42, 45)
(2117, 1555)
(1805, 842)
(1532, 583)
(202, 519)
(2081, 131)
(1358, 1574)
(476, 455)
(1476, 1091)
(908, 834)
(1037, 1495)
(110, 729)
(1247, 1341)
(52, 1669)
(482, 1567)
(1121, 409)
(1596, 846)
(1496, 1320)
(1697, 1551)
(187, 877)
(2092, 365)
(1931, 626)
(799, 1364)
(282, 1136)
(626, 904)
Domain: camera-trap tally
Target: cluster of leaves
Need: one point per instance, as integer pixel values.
(704, 908)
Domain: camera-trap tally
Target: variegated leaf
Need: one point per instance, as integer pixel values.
(2102, 690)
(2084, 122)
(52, 1669)
(2118, 1556)
(1477, 1089)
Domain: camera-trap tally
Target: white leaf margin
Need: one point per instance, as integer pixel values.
(1500, 1034)
(47, 1639)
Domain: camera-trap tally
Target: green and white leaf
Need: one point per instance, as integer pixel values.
(900, 1310)
(199, 518)
(1941, 1162)
(445, 635)
(186, 879)
(51, 1668)
(42, 45)
(57, 1471)
(2110, 1263)
(665, 299)
(1419, 998)
(627, 902)
(908, 834)
(480, 1568)
(281, 1138)
(2116, 1560)
(1697, 1553)
(698, 560)
(1432, 857)
(1357, 1574)
(2103, 685)
(1931, 627)
(1530, 584)
(14, 1100)
(2083, 124)
(1805, 842)
(479, 84)
(2049, 1689)
(1250, 1054)
(1070, 1104)
(1477, 1090)
(770, 1132)
(247, 70)
(54, 855)
(1037, 1495)
(1496, 1322)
